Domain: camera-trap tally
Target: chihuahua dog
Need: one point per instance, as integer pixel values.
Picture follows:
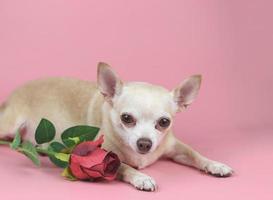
(135, 118)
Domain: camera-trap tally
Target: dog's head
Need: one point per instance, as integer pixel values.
(141, 113)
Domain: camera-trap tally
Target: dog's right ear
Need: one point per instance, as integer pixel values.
(187, 91)
(108, 82)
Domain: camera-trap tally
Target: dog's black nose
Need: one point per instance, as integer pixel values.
(144, 145)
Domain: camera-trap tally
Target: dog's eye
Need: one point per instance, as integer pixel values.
(127, 119)
(164, 122)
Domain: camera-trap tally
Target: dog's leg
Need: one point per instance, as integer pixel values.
(183, 154)
(136, 178)
(8, 123)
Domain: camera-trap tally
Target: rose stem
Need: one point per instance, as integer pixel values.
(38, 149)
(44, 151)
(4, 142)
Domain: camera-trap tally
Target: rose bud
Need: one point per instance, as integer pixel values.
(89, 161)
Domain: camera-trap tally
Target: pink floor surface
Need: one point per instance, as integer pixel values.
(249, 154)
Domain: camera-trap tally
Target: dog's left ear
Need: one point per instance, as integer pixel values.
(108, 82)
(187, 91)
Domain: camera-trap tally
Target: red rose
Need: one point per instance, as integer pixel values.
(89, 161)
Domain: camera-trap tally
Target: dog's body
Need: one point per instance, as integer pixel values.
(135, 119)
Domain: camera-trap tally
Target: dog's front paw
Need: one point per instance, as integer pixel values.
(144, 182)
(218, 169)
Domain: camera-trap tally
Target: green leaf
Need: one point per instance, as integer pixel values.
(67, 174)
(75, 140)
(58, 162)
(16, 141)
(63, 157)
(71, 142)
(57, 147)
(45, 132)
(29, 150)
(78, 134)
(58, 158)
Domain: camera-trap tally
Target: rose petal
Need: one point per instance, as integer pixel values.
(109, 158)
(111, 166)
(77, 171)
(85, 148)
(92, 174)
(92, 159)
(98, 168)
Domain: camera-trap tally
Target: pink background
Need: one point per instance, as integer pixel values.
(162, 42)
